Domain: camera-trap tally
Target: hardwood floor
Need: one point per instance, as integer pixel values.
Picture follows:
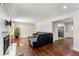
(61, 47)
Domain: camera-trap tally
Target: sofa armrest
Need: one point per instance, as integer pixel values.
(32, 39)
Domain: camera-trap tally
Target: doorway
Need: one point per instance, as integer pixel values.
(63, 32)
(63, 28)
(60, 32)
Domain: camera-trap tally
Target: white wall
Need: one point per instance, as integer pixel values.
(76, 32)
(68, 31)
(44, 26)
(75, 16)
(55, 30)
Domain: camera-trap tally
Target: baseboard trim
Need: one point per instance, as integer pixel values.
(76, 49)
(23, 38)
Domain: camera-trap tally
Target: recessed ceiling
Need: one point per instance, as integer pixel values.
(41, 11)
(67, 21)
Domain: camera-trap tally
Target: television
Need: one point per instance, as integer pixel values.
(8, 23)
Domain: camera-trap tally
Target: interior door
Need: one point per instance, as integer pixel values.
(61, 31)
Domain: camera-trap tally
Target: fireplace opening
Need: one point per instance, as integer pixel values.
(6, 43)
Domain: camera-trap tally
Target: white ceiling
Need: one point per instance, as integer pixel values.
(38, 12)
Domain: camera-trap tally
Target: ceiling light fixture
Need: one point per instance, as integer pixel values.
(64, 7)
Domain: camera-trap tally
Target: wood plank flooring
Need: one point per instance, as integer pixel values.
(61, 47)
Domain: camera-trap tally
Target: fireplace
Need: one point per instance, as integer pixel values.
(6, 43)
